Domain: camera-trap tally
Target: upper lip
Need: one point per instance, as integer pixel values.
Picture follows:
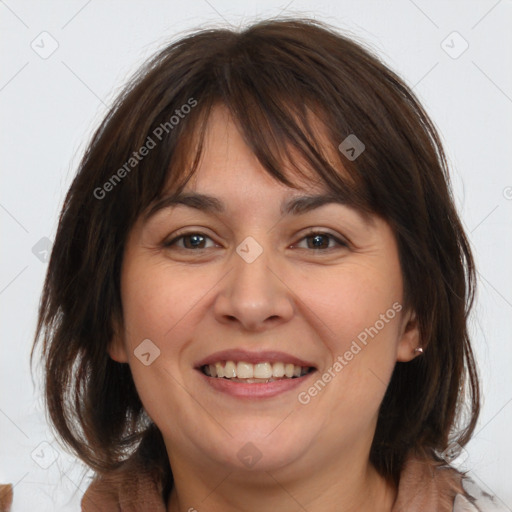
(270, 356)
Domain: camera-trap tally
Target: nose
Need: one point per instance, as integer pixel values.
(254, 295)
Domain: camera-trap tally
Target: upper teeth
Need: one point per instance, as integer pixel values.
(243, 370)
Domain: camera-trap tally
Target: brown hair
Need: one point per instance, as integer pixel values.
(269, 76)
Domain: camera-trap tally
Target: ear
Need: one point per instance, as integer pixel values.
(409, 338)
(116, 348)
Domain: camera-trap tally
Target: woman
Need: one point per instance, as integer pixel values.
(258, 292)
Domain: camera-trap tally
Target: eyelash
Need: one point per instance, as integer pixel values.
(310, 234)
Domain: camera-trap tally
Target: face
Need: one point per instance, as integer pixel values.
(249, 290)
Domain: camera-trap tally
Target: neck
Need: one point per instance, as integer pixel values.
(337, 487)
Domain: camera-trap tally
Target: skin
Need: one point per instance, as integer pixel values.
(296, 298)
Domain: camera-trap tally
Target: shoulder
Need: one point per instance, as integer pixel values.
(5, 497)
(474, 499)
(432, 486)
(124, 490)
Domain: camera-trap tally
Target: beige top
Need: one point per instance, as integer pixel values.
(423, 487)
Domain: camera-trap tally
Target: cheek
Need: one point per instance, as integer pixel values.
(159, 302)
(355, 301)
(356, 314)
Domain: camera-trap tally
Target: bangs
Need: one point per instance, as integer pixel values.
(292, 142)
(289, 125)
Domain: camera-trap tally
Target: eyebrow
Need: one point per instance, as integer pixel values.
(294, 206)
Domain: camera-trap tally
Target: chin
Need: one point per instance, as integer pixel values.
(265, 448)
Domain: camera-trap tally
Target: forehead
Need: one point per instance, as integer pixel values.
(228, 159)
(229, 172)
(231, 178)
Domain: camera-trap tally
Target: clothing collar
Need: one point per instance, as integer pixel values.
(423, 487)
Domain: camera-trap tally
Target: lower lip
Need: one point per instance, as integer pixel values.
(255, 390)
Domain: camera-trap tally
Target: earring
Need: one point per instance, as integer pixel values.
(418, 350)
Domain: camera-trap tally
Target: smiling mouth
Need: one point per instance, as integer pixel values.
(241, 371)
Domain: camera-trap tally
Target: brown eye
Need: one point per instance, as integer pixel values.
(320, 240)
(190, 240)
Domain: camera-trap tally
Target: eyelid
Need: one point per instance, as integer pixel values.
(340, 240)
(183, 234)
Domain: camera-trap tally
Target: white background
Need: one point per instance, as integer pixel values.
(50, 107)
